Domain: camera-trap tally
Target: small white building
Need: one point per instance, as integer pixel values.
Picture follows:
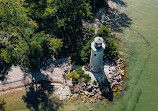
(97, 52)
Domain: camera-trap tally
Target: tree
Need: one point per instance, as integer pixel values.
(32, 30)
(16, 28)
(55, 45)
(61, 18)
(22, 44)
(86, 49)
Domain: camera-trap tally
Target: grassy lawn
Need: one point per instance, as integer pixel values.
(14, 101)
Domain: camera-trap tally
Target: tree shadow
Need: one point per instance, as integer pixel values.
(2, 105)
(4, 71)
(114, 18)
(50, 64)
(39, 91)
(34, 77)
(100, 4)
(104, 85)
(119, 20)
(39, 97)
(120, 2)
(63, 63)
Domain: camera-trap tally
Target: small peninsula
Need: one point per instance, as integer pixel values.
(54, 51)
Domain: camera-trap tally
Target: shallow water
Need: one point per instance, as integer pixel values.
(141, 40)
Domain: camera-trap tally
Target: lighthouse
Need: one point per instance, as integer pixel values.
(97, 52)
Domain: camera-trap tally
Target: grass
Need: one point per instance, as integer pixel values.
(14, 101)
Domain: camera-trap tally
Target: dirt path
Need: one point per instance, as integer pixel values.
(53, 71)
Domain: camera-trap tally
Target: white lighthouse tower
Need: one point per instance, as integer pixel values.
(97, 52)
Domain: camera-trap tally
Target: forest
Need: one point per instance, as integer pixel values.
(31, 31)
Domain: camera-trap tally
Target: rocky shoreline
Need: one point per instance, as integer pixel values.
(109, 82)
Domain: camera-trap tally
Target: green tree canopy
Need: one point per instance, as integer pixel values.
(62, 18)
(20, 42)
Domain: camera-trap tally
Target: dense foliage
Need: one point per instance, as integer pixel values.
(33, 30)
(61, 19)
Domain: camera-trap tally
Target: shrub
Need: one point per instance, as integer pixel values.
(87, 78)
(104, 31)
(77, 74)
(74, 75)
(110, 51)
(94, 82)
(80, 71)
(67, 75)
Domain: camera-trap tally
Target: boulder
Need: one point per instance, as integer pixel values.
(95, 86)
(91, 94)
(89, 89)
(98, 90)
(86, 92)
(99, 93)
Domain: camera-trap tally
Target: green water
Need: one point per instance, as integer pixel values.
(141, 41)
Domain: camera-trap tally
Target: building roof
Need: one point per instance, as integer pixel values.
(97, 40)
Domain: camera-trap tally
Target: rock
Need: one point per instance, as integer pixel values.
(99, 92)
(99, 96)
(81, 90)
(95, 86)
(86, 92)
(115, 89)
(120, 88)
(109, 76)
(71, 95)
(89, 89)
(82, 93)
(94, 89)
(84, 84)
(91, 94)
(83, 87)
(77, 90)
(117, 78)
